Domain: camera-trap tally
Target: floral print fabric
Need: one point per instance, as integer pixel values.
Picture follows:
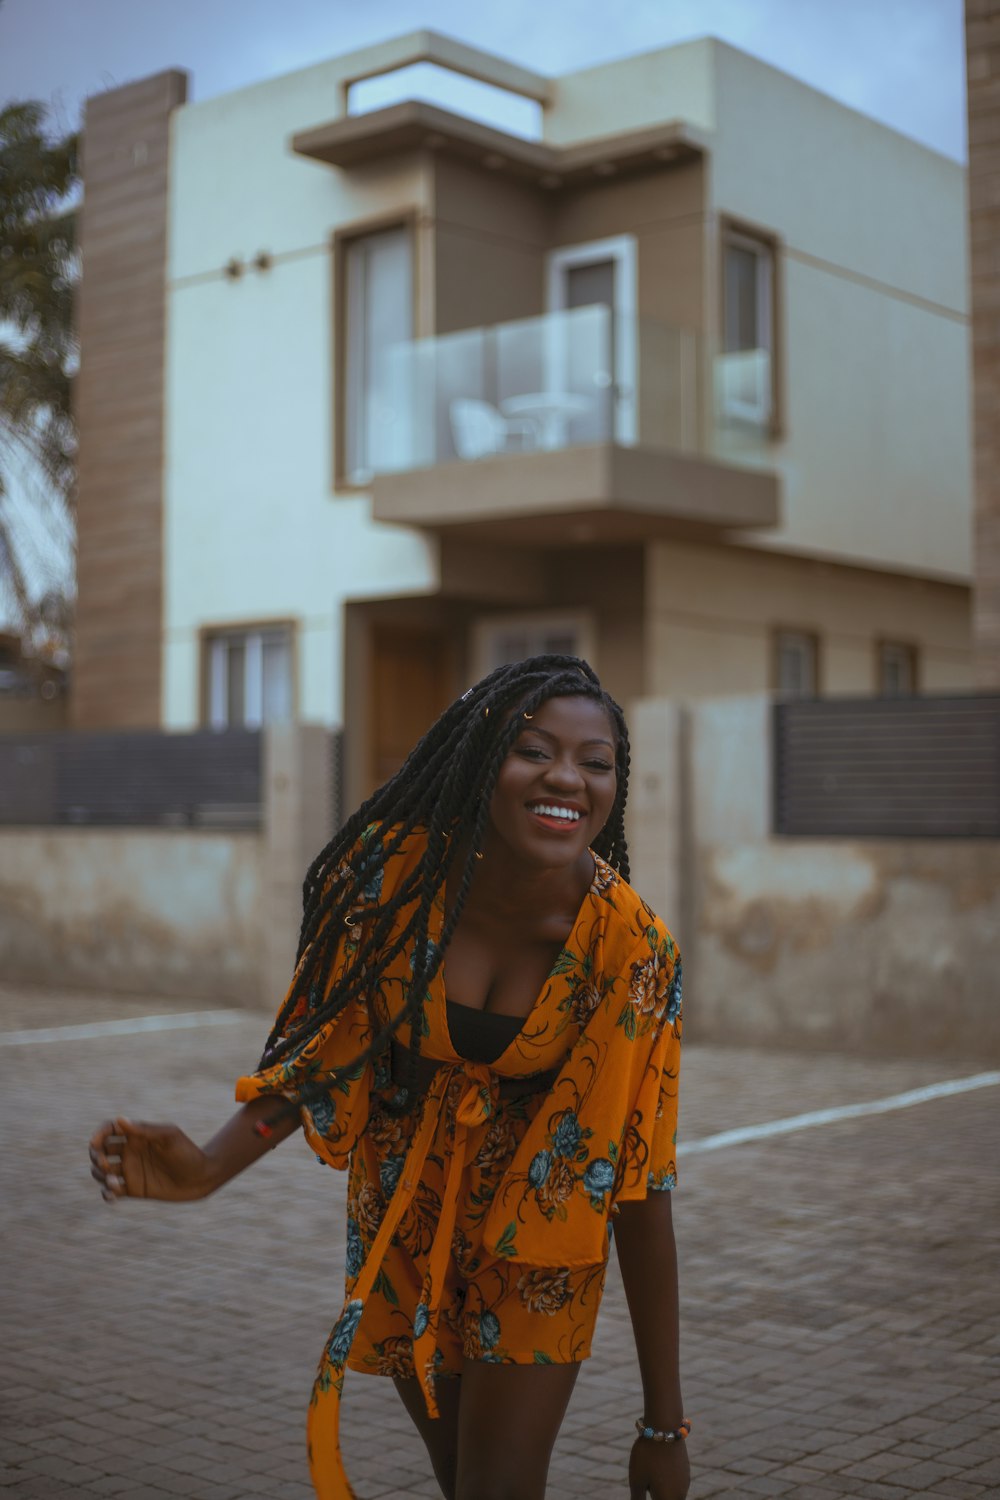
(479, 1222)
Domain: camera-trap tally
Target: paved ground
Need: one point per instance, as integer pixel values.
(841, 1290)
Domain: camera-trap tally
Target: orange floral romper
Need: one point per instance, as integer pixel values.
(478, 1224)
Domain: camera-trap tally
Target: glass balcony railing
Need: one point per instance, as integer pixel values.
(562, 380)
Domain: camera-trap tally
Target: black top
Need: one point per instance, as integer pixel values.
(481, 1035)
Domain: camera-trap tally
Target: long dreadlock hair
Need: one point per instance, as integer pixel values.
(444, 788)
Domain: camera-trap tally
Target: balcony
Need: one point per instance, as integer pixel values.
(578, 425)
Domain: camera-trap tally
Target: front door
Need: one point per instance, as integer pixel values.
(412, 683)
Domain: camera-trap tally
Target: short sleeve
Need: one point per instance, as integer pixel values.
(649, 1157)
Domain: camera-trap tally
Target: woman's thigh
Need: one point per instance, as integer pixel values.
(508, 1420)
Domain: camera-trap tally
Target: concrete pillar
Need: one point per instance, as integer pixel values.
(982, 40)
(657, 826)
(298, 809)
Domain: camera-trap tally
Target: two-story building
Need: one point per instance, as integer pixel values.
(374, 400)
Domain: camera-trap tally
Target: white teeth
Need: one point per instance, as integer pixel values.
(568, 813)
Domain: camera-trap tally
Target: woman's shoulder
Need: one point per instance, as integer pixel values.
(627, 913)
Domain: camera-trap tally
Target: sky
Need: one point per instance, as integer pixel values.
(901, 61)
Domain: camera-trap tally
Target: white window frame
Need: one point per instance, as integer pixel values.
(760, 410)
(485, 630)
(217, 643)
(622, 249)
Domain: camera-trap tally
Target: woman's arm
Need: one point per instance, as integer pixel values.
(647, 1255)
(134, 1159)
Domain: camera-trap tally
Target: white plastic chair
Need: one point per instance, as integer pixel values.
(479, 430)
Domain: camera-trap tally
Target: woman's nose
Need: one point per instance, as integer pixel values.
(564, 772)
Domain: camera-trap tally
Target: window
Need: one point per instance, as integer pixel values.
(378, 316)
(796, 659)
(249, 677)
(504, 638)
(897, 669)
(747, 362)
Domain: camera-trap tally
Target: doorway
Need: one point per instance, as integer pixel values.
(601, 273)
(412, 682)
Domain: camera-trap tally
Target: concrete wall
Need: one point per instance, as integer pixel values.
(875, 946)
(141, 911)
(195, 913)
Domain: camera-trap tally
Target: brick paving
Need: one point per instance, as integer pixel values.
(840, 1290)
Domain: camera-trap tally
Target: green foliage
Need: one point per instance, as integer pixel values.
(38, 177)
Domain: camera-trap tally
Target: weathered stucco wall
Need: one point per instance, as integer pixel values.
(137, 910)
(875, 946)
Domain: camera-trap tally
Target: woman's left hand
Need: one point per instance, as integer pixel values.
(661, 1470)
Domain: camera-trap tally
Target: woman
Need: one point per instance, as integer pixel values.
(484, 1027)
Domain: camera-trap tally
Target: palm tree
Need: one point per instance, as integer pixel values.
(38, 176)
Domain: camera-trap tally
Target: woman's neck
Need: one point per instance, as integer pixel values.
(505, 889)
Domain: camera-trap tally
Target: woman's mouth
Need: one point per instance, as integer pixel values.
(558, 816)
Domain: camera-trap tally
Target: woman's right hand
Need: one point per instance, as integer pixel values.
(133, 1159)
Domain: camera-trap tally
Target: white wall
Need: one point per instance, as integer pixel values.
(876, 463)
(253, 530)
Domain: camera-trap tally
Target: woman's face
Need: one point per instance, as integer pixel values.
(557, 785)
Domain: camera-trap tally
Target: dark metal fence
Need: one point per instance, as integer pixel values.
(141, 779)
(924, 767)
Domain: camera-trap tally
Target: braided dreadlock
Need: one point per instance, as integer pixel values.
(444, 788)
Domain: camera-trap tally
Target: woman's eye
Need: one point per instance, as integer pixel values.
(533, 752)
(599, 765)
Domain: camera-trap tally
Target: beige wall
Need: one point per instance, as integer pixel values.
(711, 613)
(27, 715)
(489, 239)
(873, 946)
(609, 583)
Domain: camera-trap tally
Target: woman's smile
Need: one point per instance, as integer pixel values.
(556, 788)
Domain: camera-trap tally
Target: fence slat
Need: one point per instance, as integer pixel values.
(893, 768)
(140, 778)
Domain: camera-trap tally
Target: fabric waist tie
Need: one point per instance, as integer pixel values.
(424, 1069)
(470, 1091)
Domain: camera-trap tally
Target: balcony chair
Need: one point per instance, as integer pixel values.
(479, 430)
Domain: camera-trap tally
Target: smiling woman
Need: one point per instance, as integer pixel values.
(484, 1028)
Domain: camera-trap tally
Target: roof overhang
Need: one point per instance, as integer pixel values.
(355, 140)
(576, 496)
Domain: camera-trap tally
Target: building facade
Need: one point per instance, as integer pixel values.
(681, 385)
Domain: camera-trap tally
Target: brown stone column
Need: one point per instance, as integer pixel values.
(120, 404)
(982, 40)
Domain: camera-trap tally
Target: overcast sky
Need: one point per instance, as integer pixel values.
(899, 60)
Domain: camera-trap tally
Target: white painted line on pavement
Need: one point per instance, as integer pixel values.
(769, 1128)
(125, 1027)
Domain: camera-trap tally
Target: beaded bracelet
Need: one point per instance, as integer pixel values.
(676, 1436)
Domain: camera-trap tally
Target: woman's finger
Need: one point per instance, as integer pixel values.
(106, 1128)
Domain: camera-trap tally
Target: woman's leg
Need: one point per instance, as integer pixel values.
(441, 1435)
(508, 1420)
